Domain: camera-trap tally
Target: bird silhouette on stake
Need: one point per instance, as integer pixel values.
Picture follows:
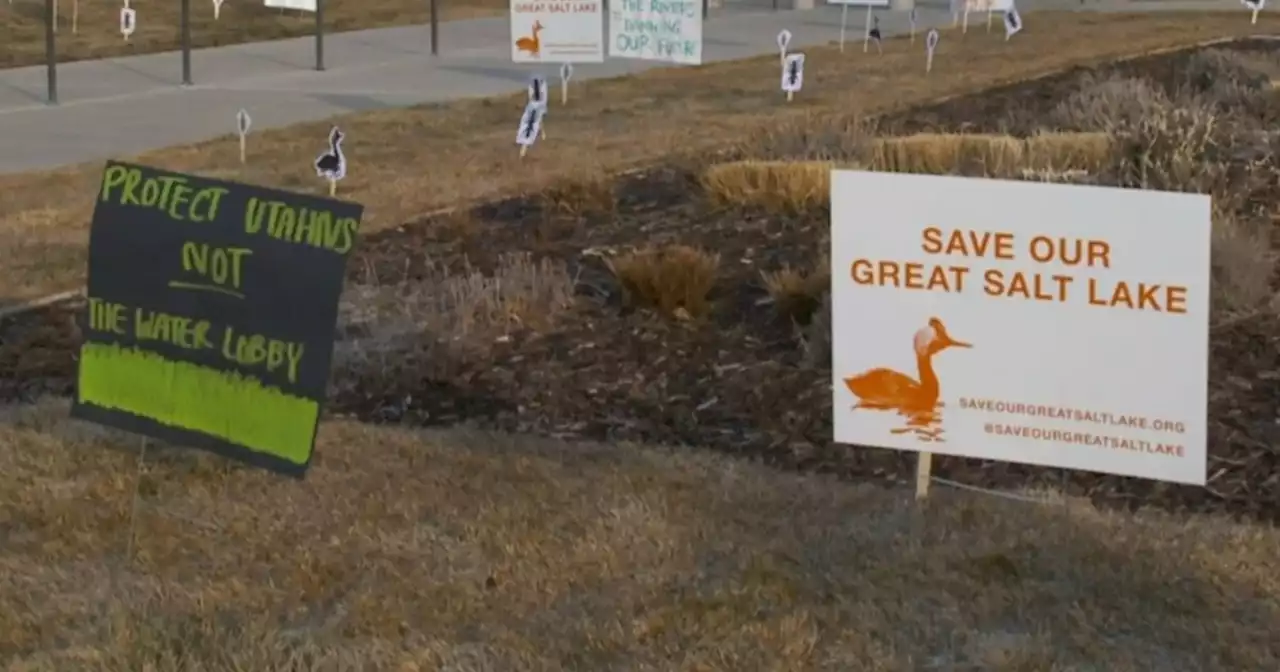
(332, 164)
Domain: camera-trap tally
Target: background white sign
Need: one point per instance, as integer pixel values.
(656, 30)
(1095, 358)
(557, 31)
(860, 3)
(304, 5)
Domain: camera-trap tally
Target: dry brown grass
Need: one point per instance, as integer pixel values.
(994, 155)
(442, 319)
(797, 293)
(776, 186)
(591, 194)
(673, 279)
(623, 123)
(463, 550)
(22, 24)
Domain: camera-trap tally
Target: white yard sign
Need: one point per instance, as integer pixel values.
(302, 5)
(557, 31)
(1047, 324)
(656, 30)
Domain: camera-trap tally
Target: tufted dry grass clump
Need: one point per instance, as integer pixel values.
(1227, 77)
(836, 137)
(591, 193)
(1243, 264)
(775, 186)
(797, 293)
(991, 155)
(444, 319)
(1104, 103)
(1172, 150)
(675, 280)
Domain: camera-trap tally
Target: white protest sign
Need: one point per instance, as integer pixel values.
(566, 74)
(930, 45)
(668, 31)
(793, 74)
(217, 8)
(128, 20)
(301, 5)
(565, 31)
(243, 122)
(1047, 324)
(332, 164)
(784, 39)
(530, 127)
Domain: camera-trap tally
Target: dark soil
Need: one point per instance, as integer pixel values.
(734, 380)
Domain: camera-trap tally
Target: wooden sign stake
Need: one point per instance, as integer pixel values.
(924, 471)
(790, 95)
(333, 187)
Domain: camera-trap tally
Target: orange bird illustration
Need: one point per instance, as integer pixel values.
(533, 44)
(884, 389)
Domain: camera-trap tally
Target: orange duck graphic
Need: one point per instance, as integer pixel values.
(916, 400)
(531, 44)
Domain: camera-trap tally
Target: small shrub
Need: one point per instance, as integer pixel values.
(1171, 150)
(993, 155)
(427, 326)
(837, 138)
(674, 279)
(1243, 264)
(776, 186)
(586, 195)
(1226, 77)
(1103, 104)
(815, 339)
(798, 294)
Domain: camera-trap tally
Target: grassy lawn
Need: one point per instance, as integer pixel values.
(97, 30)
(462, 550)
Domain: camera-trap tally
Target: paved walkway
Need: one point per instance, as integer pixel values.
(124, 106)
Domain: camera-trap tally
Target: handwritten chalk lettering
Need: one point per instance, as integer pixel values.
(967, 243)
(653, 26)
(909, 275)
(1020, 285)
(107, 317)
(1138, 296)
(183, 332)
(223, 266)
(251, 350)
(317, 228)
(170, 194)
(673, 7)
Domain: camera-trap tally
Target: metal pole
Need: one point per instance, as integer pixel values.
(705, 8)
(186, 42)
(319, 35)
(50, 53)
(435, 30)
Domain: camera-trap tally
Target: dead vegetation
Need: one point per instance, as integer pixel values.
(673, 279)
(776, 186)
(443, 319)
(467, 550)
(797, 294)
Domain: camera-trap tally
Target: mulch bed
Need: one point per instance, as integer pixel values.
(735, 380)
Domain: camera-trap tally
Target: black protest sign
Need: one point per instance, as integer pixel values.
(211, 312)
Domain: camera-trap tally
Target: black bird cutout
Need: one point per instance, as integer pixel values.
(530, 121)
(536, 92)
(332, 164)
(793, 71)
(875, 33)
(1011, 18)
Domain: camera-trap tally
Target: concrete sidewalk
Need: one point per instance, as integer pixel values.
(124, 106)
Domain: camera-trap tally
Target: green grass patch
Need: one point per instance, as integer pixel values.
(222, 404)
